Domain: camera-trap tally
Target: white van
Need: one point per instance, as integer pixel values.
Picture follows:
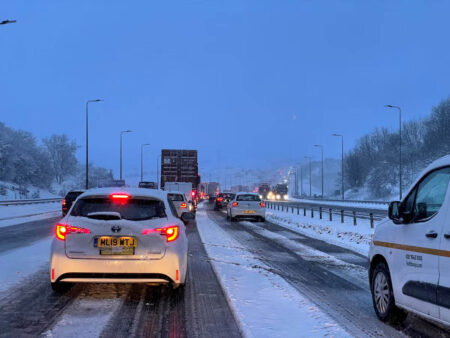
(410, 251)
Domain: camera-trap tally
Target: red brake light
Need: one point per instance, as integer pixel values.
(62, 230)
(184, 205)
(171, 232)
(64, 202)
(219, 199)
(193, 192)
(235, 204)
(120, 197)
(262, 205)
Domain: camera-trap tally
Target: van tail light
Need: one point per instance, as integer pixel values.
(219, 199)
(235, 204)
(184, 205)
(262, 205)
(171, 232)
(63, 229)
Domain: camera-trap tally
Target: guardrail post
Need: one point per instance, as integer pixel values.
(342, 216)
(298, 210)
(320, 212)
(304, 211)
(354, 217)
(292, 209)
(312, 212)
(331, 214)
(371, 220)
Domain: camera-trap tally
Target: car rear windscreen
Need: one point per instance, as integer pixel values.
(248, 198)
(133, 209)
(175, 197)
(72, 196)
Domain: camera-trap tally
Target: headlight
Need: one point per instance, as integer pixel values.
(286, 197)
(260, 196)
(278, 197)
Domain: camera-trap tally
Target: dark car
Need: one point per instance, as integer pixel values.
(69, 199)
(222, 200)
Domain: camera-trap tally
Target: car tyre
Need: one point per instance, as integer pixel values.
(383, 296)
(262, 219)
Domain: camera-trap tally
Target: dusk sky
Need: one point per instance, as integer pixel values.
(247, 83)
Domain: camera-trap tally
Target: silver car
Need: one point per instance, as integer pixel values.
(246, 205)
(120, 236)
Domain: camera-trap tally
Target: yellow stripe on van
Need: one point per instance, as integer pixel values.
(429, 251)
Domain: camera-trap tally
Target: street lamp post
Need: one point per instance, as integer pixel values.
(142, 160)
(400, 151)
(301, 180)
(87, 140)
(5, 22)
(321, 148)
(157, 171)
(342, 163)
(310, 180)
(121, 133)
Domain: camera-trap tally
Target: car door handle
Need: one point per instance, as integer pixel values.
(431, 234)
(447, 236)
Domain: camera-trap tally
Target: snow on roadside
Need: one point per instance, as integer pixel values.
(22, 262)
(264, 304)
(356, 238)
(18, 214)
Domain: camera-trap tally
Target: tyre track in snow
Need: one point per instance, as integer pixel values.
(198, 310)
(343, 297)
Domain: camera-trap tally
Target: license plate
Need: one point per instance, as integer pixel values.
(110, 245)
(249, 211)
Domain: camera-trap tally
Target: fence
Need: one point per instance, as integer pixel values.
(31, 201)
(340, 211)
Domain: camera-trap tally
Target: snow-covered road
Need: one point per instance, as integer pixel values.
(244, 278)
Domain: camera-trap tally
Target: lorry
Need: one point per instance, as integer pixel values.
(180, 166)
(263, 190)
(279, 192)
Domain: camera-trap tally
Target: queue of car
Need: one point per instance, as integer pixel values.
(138, 235)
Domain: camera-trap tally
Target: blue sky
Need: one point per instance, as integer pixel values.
(247, 83)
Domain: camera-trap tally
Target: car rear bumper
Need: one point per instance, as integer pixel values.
(170, 269)
(240, 213)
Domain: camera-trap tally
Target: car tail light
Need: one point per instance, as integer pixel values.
(64, 202)
(120, 197)
(184, 205)
(219, 199)
(62, 230)
(171, 232)
(262, 205)
(193, 192)
(235, 204)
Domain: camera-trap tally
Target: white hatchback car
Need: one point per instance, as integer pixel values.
(179, 201)
(410, 252)
(121, 236)
(246, 205)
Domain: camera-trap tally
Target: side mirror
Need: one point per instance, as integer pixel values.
(187, 216)
(394, 211)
